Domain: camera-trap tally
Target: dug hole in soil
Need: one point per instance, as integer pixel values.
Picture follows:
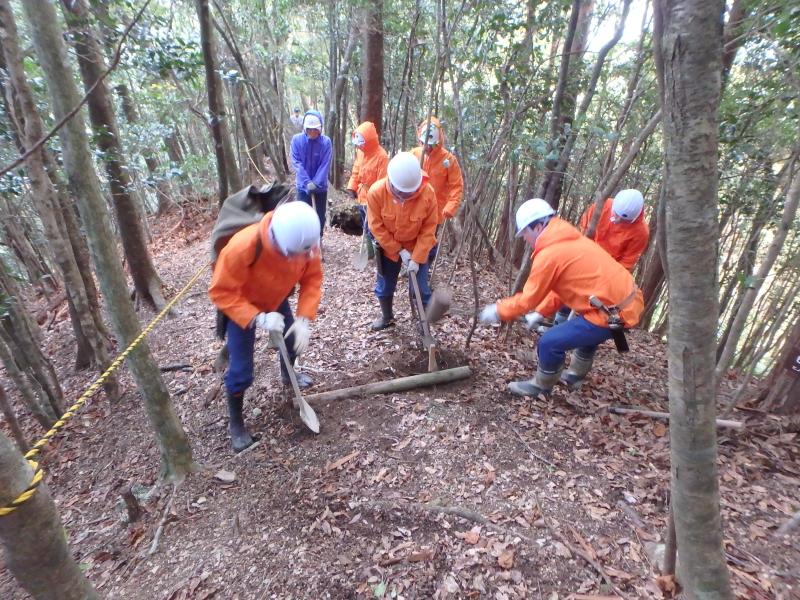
(456, 491)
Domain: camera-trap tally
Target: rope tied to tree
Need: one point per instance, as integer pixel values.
(35, 450)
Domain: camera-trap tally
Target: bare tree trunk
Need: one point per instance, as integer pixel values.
(85, 314)
(176, 454)
(161, 185)
(42, 412)
(227, 170)
(782, 389)
(127, 206)
(689, 39)
(334, 129)
(11, 419)
(33, 539)
(372, 78)
(754, 284)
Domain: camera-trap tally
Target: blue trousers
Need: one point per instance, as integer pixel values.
(387, 283)
(364, 222)
(320, 202)
(575, 333)
(241, 342)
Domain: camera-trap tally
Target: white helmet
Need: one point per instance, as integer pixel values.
(531, 211)
(627, 205)
(312, 122)
(404, 172)
(433, 135)
(295, 228)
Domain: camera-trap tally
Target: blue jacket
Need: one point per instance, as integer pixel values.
(311, 158)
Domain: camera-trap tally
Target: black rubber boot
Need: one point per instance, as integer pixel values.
(387, 316)
(240, 438)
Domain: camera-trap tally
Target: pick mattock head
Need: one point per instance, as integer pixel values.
(439, 304)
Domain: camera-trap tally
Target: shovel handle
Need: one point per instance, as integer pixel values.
(278, 340)
(421, 309)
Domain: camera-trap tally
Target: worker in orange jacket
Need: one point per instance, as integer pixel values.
(442, 168)
(576, 269)
(253, 277)
(402, 214)
(369, 166)
(621, 231)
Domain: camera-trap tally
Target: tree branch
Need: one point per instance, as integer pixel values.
(117, 55)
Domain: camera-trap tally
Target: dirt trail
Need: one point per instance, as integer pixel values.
(347, 513)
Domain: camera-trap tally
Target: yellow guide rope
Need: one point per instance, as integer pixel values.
(35, 450)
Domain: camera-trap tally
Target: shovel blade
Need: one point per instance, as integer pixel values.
(308, 416)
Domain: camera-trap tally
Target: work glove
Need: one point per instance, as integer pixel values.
(301, 328)
(413, 267)
(450, 210)
(270, 321)
(405, 256)
(533, 320)
(489, 315)
(311, 186)
(353, 194)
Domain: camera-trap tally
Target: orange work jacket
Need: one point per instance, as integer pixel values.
(241, 291)
(370, 164)
(625, 242)
(410, 225)
(444, 173)
(574, 267)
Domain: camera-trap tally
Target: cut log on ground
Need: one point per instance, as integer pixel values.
(618, 410)
(401, 384)
(347, 218)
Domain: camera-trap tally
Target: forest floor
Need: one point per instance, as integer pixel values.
(460, 491)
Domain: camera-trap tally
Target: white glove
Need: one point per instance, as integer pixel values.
(413, 267)
(405, 256)
(270, 321)
(489, 315)
(311, 186)
(302, 334)
(533, 320)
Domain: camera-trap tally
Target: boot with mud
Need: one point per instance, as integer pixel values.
(541, 384)
(240, 438)
(387, 316)
(579, 367)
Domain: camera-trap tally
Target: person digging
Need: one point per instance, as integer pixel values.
(402, 216)
(601, 291)
(253, 277)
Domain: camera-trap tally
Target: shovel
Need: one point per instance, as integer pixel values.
(307, 414)
(428, 342)
(361, 258)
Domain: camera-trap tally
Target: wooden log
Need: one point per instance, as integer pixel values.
(618, 410)
(401, 384)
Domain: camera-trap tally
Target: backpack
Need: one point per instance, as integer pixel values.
(245, 207)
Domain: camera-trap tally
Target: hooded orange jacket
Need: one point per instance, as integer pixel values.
(370, 164)
(574, 267)
(242, 291)
(410, 225)
(444, 172)
(624, 241)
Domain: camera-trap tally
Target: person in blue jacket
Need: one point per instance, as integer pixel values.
(311, 158)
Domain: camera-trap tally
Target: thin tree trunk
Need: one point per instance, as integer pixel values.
(689, 39)
(85, 315)
(43, 413)
(33, 538)
(754, 284)
(11, 419)
(176, 454)
(372, 78)
(227, 171)
(127, 206)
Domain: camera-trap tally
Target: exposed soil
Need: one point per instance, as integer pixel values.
(367, 508)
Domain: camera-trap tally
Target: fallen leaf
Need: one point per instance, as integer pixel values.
(506, 559)
(225, 476)
(659, 429)
(342, 461)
